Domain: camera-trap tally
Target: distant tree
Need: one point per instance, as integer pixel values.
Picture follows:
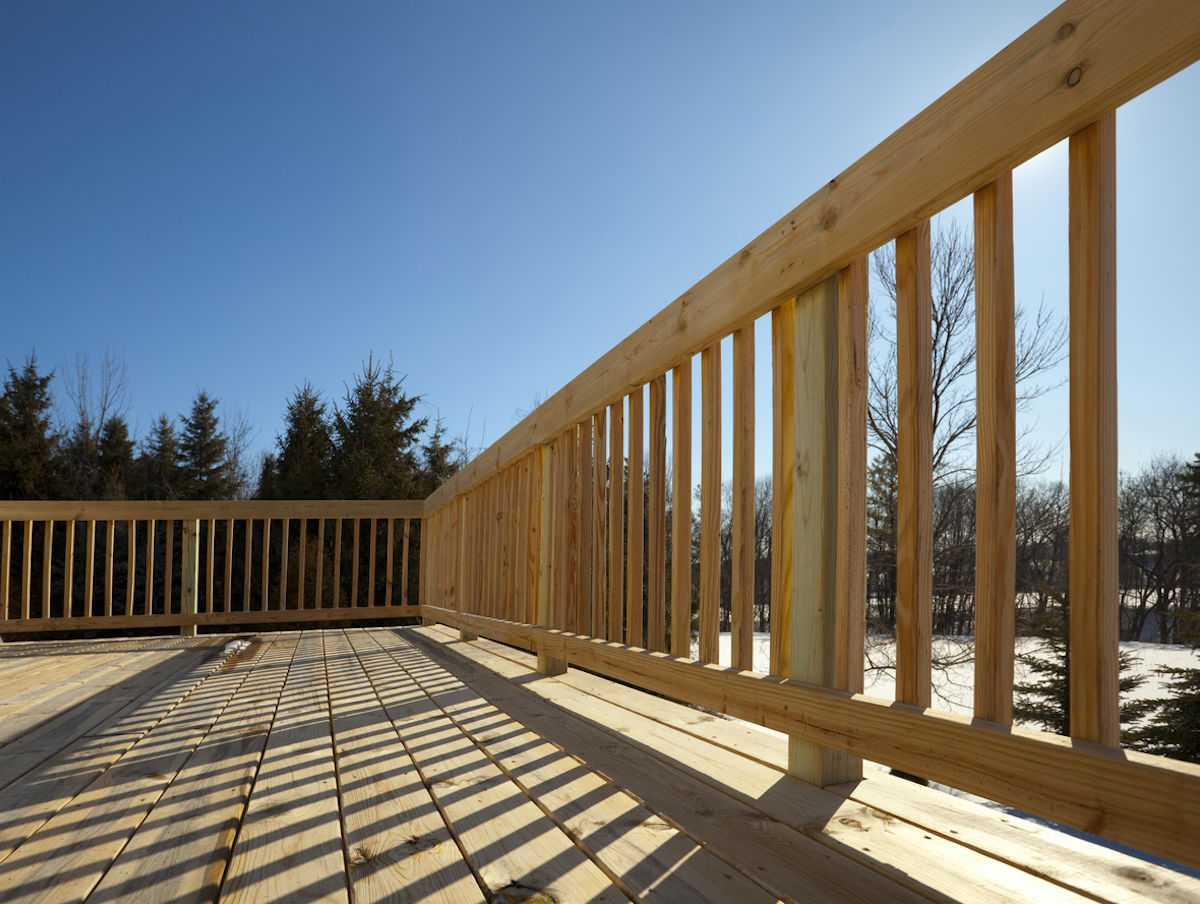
(439, 460)
(27, 442)
(95, 401)
(301, 467)
(159, 464)
(374, 438)
(115, 459)
(203, 449)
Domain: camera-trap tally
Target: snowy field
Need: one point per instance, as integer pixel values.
(953, 689)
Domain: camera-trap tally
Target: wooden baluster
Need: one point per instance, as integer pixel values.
(636, 512)
(599, 521)
(247, 569)
(583, 619)
(266, 563)
(337, 563)
(6, 528)
(371, 565)
(149, 590)
(355, 562)
(741, 602)
(389, 578)
(228, 564)
(562, 532)
(69, 569)
(404, 563)
(89, 573)
(851, 578)
(783, 453)
(130, 568)
(320, 579)
(300, 563)
(546, 664)
(284, 543)
(914, 468)
(995, 446)
(190, 578)
(656, 565)
(47, 561)
(1094, 602)
(209, 566)
(109, 555)
(616, 520)
(681, 509)
(169, 568)
(710, 503)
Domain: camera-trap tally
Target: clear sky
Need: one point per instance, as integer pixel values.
(242, 196)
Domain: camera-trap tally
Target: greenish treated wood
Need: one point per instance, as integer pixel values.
(190, 575)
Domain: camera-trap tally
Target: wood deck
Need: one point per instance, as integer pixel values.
(401, 765)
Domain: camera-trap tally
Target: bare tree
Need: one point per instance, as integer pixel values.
(1041, 344)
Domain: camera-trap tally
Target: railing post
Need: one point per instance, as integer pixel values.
(813, 636)
(547, 665)
(191, 574)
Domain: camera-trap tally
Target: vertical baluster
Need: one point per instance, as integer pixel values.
(169, 566)
(26, 568)
(209, 605)
(389, 577)
(995, 446)
(130, 569)
(109, 555)
(914, 467)
(246, 571)
(741, 602)
(6, 566)
(149, 593)
(371, 565)
(284, 543)
(404, 563)
(89, 572)
(656, 564)
(47, 560)
(337, 563)
(599, 520)
(527, 547)
(1094, 593)
(710, 502)
(265, 577)
(190, 575)
(69, 569)
(616, 520)
(546, 664)
(783, 453)
(300, 563)
(228, 564)
(583, 619)
(320, 577)
(571, 447)
(562, 517)
(681, 509)
(636, 507)
(852, 481)
(354, 562)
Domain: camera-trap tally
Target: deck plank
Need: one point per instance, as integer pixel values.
(515, 849)
(180, 851)
(649, 858)
(400, 849)
(64, 859)
(289, 845)
(1100, 872)
(792, 865)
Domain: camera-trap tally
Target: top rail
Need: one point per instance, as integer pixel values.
(178, 509)
(1078, 63)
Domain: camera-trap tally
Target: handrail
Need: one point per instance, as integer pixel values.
(539, 541)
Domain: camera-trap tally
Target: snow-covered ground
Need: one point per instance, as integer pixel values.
(954, 690)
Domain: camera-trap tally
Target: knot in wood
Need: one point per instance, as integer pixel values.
(1074, 76)
(1065, 31)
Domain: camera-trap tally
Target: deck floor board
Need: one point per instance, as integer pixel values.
(373, 765)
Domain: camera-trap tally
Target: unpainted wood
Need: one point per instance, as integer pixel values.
(636, 515)
(585, 588)
(741, 602)
(599, 523)
(1094, 594)
(656, 532)
(783, 455)
(914, 467)
(996, 452)
(710, 503)
(681, 508)
(616, 520)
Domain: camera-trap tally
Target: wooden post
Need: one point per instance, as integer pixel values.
(741, 602)
(681, 509)
(995, 444)
(190, 578)
(914, 468)
(783, 453)
(547, 665)
(813, 636)
(710, 503)
(1093, 346)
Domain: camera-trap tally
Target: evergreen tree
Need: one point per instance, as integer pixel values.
(1046, 703)
(159, 464)
(27, 444)
(301, 470)
(439, 460)
(203, 452)
(115, 459)
(374, 437)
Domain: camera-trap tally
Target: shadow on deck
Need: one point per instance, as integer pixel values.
(402, 765)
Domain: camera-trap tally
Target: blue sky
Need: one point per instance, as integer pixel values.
(242, 196)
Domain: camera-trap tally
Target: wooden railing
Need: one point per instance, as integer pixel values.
(539, 541)
(118, 565)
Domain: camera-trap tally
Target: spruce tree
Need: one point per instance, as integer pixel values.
(203, 447)
(301, 470)
(115, 456)
(159, 464)
(27, 444)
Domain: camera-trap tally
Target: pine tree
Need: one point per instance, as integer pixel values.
(203, 447)
(301, 470)
(374, 438)
(159, 463)
(1046, 703)
(115, 458)
(27, 444)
